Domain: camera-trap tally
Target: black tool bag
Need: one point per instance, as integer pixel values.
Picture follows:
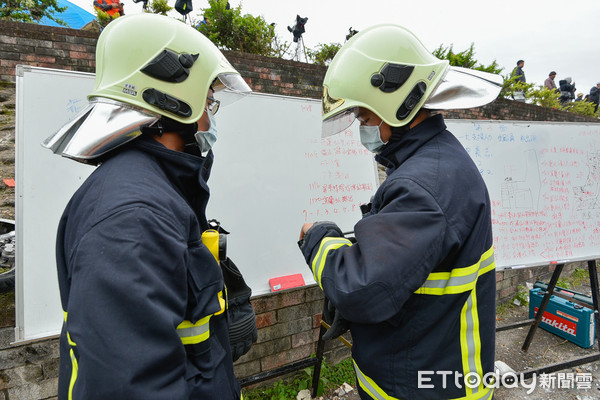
(242, 318)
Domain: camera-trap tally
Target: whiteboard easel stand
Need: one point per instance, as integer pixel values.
(534, 322)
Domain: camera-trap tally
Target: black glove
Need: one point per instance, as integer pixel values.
(242, 318)
(338, 325)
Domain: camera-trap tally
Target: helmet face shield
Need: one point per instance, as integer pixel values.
(230, 88)
(338, 122)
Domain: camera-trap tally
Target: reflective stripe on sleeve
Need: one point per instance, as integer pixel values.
(193, 333)
(327, 244)
(459, 280)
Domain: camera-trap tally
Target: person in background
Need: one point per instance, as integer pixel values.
(567, 90)
(518, 72)
(519, 95)
(143, 298)
(549, 82)
(114, 8)
(594, 96)
(579, 97)
(416, 285)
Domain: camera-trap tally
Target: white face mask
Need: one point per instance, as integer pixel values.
(370, 137)
(206, 139)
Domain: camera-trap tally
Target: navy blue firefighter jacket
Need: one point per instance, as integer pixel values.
(418, 286)
(142, 296)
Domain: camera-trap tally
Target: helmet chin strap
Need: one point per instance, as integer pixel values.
(185, 131)
(399, 131)
(164, 125)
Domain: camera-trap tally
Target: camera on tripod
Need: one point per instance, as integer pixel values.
(145, 6)
(298, 29)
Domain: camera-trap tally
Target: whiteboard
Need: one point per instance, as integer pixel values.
(45, 100)
(544, 183)
(272, 172)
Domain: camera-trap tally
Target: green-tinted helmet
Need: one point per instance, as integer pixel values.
(161, 65)
(386, 69)
(147, 66)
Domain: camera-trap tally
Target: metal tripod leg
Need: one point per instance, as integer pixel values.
(319, 357)
(594, 284)
(542, 308)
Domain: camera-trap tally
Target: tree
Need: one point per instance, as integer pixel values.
(324, 53)
(31, 10)
(228, 29)
(160, 7)
(465, 59)
(581, 107)
(542, 96)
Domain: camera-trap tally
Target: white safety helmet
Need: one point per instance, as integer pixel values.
(148, 66)
(386, 69)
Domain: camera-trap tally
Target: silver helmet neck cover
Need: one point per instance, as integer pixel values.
(99, 128)
(464, 88)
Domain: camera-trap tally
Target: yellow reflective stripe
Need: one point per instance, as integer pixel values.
(459, 280)
(74, 370)
(72, 343)
(369, 386)
(372, 389)
(222, 303)
(191, 333)
(194, 333)
(327, 244)
(74, 364)
(470, 346)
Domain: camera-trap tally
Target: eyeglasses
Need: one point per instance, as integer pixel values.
(212, 105)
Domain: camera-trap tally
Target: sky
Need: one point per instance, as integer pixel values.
(547, 34)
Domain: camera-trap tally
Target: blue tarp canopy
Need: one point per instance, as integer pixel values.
(75, 16)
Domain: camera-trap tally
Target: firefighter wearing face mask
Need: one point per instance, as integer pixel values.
(143, 298)
(417, 287)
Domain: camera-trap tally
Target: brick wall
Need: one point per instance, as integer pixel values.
(45, 46)
(287, 321)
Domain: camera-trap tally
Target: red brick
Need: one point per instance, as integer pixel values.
(317, 320)
(265, 319)
(303, 338)
(80, 55)
(499, 276)
(287, 357)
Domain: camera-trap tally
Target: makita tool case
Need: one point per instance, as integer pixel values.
(564, 318)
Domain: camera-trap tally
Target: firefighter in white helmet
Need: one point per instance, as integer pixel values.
(143, 299)
(416, 288)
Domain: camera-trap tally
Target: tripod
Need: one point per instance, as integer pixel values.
(299, 49)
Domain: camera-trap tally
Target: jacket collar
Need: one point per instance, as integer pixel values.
(400, 148)
(186, 172)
